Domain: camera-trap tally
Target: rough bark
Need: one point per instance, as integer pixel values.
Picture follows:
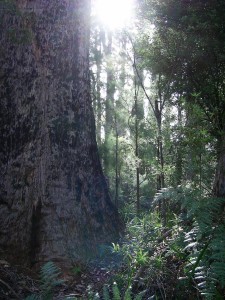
(54, 202)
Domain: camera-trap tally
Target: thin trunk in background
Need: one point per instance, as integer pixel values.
(179, 156)
(136, 132)
(219, 182)
(117, 169)
(109, 104)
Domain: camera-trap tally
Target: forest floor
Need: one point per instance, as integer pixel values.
(18, 283)
(161, 274)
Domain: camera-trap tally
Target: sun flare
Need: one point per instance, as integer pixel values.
(114, 14)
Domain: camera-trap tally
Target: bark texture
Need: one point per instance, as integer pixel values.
(54, 202)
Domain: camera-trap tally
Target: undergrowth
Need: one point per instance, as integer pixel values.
(49, 279)
(182, 259)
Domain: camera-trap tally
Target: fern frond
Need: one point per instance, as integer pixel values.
(127, 295)
(49, 279)
(116, 292)
(106, 295)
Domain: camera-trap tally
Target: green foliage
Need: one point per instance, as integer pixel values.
(183, 49)
(193, 238)
(106, 295)
(138, 252)
(127, 295)
(183, 57)
(204, 242)
(76, 270)
(49, 279)
(115, 294)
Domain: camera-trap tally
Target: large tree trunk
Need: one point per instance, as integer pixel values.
(54, 202)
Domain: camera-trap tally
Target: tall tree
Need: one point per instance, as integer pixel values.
(109, 101)
(54, 199)
(192, 52)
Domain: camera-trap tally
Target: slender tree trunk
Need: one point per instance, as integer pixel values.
(109, 106)
(54, 201)
(219, 183)
(117, 169)
(160, 158)
(160, 176)
(179, 157)
(137, 146)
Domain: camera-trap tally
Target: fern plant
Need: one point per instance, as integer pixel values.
(203, 220)
(116, 294)
(106, 295)
(208, 248)
(49, 279)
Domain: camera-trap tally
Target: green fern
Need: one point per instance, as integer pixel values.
(106, 295)
(49, 279)
(205, 240)
(207, 246)
(116, 292)
(127, 295)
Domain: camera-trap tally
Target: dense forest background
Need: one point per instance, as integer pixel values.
(158, 97)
